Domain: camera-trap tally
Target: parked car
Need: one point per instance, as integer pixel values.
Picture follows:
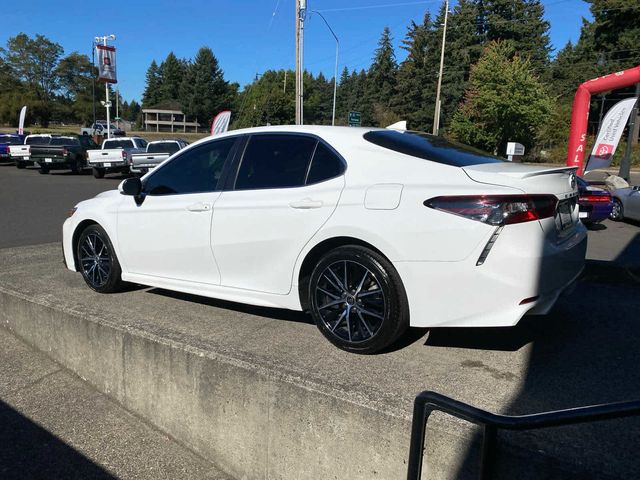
(21, 154)
(63, 152)
(115, 155)
(6, 140)
(595, 203)
(157, 152)
(626, 204)
(100, 128)
(371, 230)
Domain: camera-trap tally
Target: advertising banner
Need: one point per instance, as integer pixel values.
(106, 63)
(221, 122)
(23, 113)
(609, 135)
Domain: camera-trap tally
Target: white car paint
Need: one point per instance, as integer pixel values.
(249, 246)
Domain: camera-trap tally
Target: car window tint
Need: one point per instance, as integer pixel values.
(163, 147)
(37, 141)
(141, 143)
(64, 141)
(429, 147)
(325, 165)
(197, 170)
(275, 161)
(118, 144)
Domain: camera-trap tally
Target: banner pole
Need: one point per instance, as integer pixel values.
(625, 164)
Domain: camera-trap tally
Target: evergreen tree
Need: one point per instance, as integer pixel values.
(616, 32)
(203, 91)
(522, 22)
(151, 95)
(171, 71)
(505, 101)
(382, 77)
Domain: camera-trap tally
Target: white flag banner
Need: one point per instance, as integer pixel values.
(221, 122)
(23, 114)
(106, 63)
(609, 135)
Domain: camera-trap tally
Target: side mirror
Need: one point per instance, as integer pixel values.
(131, 186)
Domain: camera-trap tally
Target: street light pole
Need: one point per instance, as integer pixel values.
(335, 71)
(301, 10)
(93, 80)
(436, 117)
(107, 104)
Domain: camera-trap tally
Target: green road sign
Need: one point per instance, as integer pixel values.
(355, 119)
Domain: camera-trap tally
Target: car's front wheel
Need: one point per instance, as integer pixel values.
(97, 260)
(617, 212)
(357, 300)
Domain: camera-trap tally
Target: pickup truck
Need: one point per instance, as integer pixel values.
(157, 152)
(115, 155)
(7, 139)
(100, 128)
(63, 152)
(21, 154)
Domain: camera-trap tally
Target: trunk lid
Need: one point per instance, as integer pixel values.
(532, 179)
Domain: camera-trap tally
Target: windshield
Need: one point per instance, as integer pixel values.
(37, 140)
(163, 147)
(429, 147)
(64, 141)
(118, 144)
(10, 140)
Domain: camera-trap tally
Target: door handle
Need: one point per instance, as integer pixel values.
(306, 203)
(199, 207)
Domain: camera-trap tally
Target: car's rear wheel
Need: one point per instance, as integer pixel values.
(20, 164)
(357, 300)
(76, 168)
(43, 170)
(98, 172)
(617, 212)
(97, 260)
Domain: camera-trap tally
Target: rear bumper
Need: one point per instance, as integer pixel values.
(595, 212)
(53, 162)
(525, 272)
(111, 166)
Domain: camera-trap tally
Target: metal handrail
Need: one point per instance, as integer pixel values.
(427, 402)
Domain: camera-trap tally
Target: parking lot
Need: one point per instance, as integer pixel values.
(583, 353)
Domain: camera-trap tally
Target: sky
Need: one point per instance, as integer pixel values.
(247, 36)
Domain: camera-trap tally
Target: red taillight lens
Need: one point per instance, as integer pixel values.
(65, 152)
(594, 198)
(497, 209)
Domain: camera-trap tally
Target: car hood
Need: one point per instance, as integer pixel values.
(108, 194)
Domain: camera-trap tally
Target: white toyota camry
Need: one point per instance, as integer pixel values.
(371, 230)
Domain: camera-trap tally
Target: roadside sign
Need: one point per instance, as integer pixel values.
(355, 119)
(514, 148)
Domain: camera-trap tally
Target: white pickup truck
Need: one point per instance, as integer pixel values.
(115, 155)
(157, 152)
(21, 154)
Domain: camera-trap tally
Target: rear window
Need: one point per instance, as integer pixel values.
(164, 147)
(118, 144)
(37, 141)
(429, 147)
(64, 141)
(11, 140)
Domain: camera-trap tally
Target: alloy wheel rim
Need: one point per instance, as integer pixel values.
(350, 301)
(95, 260)
(615, 213)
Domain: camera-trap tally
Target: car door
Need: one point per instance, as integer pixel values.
(632, 208)
(286, 187)
(167, 231)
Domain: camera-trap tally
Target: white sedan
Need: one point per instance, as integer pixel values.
(371, 230)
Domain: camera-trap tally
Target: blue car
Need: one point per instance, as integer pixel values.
(7, 139)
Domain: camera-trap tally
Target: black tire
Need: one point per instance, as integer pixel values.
(617, 213)
(97, 260)
(98, 172)
(371, 313)
(20, 164)
(76, 168)
(43, 170)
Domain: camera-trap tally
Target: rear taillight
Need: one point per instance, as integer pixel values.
(65, 152)
(594, 198)
(497, 209)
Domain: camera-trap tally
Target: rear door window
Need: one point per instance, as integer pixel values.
(326, 164)
(118, 144)
(275, 161)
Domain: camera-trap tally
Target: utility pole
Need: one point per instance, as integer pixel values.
(93, 80)
(107, 103)
(301, 10)
(625, 164)
(436, 116)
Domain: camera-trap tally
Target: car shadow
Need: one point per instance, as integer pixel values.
(29, 451)
(274, 313)
(595, 226)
